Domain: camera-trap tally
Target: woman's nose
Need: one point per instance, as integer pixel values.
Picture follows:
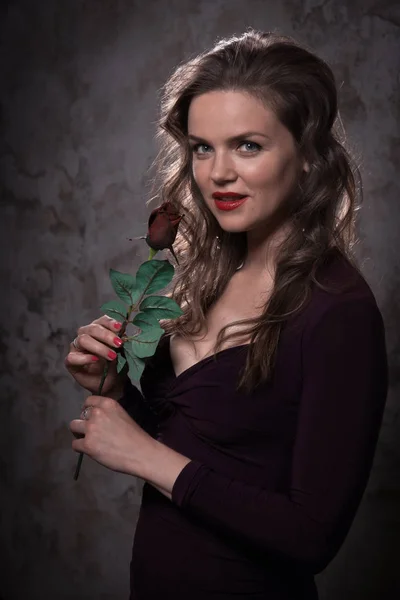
(223, 168)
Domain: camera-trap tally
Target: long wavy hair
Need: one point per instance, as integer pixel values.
(300, 88)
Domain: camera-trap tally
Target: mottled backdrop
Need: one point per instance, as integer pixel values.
(80, 87)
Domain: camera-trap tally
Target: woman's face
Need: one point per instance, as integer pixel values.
(238, 145)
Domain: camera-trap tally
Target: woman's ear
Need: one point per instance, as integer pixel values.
(306, 167)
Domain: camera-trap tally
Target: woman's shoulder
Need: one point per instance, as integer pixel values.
(340, 287)
(343, 280)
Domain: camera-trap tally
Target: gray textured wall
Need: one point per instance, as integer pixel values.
(80, 86)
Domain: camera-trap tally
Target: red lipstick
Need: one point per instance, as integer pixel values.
(228, 200)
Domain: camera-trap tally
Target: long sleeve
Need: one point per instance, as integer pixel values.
(340, 414)
(138, 409)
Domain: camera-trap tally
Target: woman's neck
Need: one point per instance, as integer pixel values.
(262, 251)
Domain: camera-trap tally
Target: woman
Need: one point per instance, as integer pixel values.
(256, 447)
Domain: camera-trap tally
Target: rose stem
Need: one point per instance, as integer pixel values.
(103, 378)
(152, 253)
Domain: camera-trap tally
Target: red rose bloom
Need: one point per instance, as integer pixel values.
(163, 227)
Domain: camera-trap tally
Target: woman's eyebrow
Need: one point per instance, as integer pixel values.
(234, 138)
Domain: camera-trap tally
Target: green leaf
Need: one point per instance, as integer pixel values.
(153, 276)
(145, 321)
(115, 310)
(124, 286)
(145, 344)
(136, 365)
(121, 362)
(161, 307)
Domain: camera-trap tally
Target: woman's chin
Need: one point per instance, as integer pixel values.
(233, 228)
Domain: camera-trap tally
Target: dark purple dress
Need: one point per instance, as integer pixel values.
(275, 478)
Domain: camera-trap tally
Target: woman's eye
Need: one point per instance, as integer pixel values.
(200, 148)
(250, 146)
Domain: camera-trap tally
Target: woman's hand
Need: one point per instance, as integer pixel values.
(108, 435)
(96, 344)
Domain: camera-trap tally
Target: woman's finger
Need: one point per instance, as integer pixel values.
(78, 427)
(104, 329)
(95, 402)
(109, 323)
(79, 359)
(92, 345)
(74, 345)
(78, 444)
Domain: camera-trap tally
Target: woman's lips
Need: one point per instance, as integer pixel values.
(229, 204)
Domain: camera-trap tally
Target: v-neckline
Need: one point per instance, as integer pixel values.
(200, 362)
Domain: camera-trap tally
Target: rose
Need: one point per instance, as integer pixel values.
(137, 294)
(163, 227)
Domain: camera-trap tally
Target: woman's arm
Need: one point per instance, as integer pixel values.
(345, 387)
(133, 402)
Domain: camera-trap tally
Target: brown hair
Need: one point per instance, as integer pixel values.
(300, 88)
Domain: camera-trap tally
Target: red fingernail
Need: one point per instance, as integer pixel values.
(118, 342)
(112, 355)
(117, 325)
(95, 358)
